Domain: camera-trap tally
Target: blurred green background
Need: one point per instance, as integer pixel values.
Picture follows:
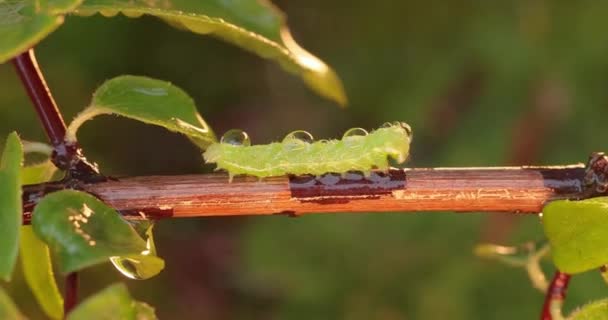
(482, 83)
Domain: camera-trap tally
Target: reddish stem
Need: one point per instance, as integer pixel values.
(71, 292)
(555, 293)
(36, 87)
(65, 156)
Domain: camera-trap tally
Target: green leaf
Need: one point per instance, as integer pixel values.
(38, 273)
(10, 204)
(150, 101)
(83, 231)
(39, 172)
(253, 25)
(596, 310)
(577, 231)
(8, 310)
(24, 23)
(113, 302)
(35, 257)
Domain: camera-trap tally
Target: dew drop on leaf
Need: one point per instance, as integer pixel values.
(126, 267)
(299, 135)
(236, 137)
(353, 132)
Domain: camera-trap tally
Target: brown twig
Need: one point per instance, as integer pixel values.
(506, 189)
(555, 295)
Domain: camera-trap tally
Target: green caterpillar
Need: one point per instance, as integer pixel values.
(298, 154)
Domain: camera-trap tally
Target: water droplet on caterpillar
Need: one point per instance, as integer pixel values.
(297, 140)
(236, 137)
(354, 132)
(403, 125)
(299, 135)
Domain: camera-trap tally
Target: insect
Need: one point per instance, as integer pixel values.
(298, 153)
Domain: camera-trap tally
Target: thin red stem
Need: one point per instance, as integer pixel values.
(41, 97)
(65, 156)
(555, 293)
(71, 292)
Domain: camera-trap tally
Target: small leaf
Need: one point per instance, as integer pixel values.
(113, 302)
(83, 231)
(597, 310)
(38, 273)
(10, 204)
(24, 23)
(253, 25)
(37, 173)
(8, 310)
(577, 231)
(150, 101)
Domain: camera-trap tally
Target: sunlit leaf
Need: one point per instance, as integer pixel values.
(83, 231)
(23, 23)
(8, 310)
(35, 256)
(38, 273)
(577, 231)
(597, 310)
(112, 303)
(37, 173)
(254, 25)
(10, 204)
(150, 101)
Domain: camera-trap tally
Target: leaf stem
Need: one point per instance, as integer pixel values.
(555, 296)
(71, 292)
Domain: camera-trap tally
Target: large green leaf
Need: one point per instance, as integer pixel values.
(254, 25)
(8, 310)
(577, 231)
(23, 23)
(597, 310)
(150, 101)
(113, 302)
(10, 204)
(35, 255)
(83, 231)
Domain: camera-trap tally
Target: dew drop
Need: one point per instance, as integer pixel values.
(236, 137)
(388, 124)
(299, 135)
(127, 267)
(406, 127)
(403, 125)
(297, 140)
(352, 132)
